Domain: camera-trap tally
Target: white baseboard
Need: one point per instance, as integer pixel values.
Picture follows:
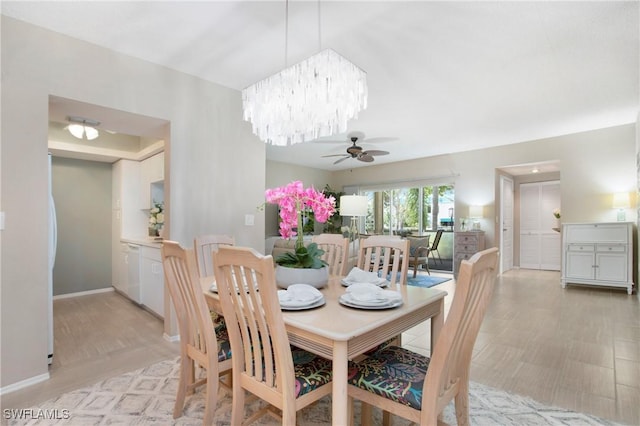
(83, 293)
(175, 338)
(24, 383)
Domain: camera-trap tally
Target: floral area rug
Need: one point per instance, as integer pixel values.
(146, 397)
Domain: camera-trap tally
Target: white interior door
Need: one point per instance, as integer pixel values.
(539, 243)
(506, 219)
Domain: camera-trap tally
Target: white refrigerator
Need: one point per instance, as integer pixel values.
(53, 237)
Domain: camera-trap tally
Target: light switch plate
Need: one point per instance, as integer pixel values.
(249, 219)
(1, 221)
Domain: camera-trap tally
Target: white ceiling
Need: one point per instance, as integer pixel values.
(443, 76)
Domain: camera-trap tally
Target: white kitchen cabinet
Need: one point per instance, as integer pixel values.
(151, 180)
(598, 254)
(465, 245)
(152, 279)
(126, 217)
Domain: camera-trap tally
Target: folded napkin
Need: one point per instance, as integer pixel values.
(297, 294)
(357, 275)
(367, 292)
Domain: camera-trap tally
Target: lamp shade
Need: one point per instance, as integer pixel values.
(353, 205)
(621, 200)
(475, 211)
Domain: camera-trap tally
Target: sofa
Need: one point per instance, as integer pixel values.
(275, 246)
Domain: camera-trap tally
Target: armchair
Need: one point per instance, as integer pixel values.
(419, 253)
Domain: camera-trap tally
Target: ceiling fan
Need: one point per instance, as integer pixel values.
(357, 152)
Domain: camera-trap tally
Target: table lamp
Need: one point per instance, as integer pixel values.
(621, 202)
(354, 206)
(475, 213)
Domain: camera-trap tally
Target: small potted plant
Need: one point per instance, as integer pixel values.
(156, 219)
(304, 264)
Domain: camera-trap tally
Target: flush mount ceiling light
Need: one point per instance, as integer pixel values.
(83, 127)
(308, 100)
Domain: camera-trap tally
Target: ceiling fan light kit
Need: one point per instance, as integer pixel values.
(311, 99)
(83, 127)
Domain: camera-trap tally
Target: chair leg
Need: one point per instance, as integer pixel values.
(211, 396)
(365, 414)
(183, 385)
(462, 404)
(237, 401)
(386, 418)
(439, 258)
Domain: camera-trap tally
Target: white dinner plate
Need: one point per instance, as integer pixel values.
(299, 295)
(380, 283)
(214, 288)
(315, 304)
(347, 301)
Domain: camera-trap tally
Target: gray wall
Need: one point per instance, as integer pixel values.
(203, 175)
(82, 194)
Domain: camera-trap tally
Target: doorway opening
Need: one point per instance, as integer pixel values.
(85, 166)
(528, 232)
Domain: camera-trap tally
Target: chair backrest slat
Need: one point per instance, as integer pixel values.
(386, 256)
(248, 294)
(204, 245)
(436, 240)
(336, 251)
(194, 320)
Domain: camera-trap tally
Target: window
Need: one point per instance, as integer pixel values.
(409, 210)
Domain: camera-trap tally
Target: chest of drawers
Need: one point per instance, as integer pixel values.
(466, 244)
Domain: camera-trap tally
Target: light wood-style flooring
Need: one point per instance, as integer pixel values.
(96, 336)
(577, 348)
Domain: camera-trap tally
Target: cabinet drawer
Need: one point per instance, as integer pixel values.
(614, 248)
(151, 253)
(581, 247)
(466, 248)
(462, 256)
(467, 239)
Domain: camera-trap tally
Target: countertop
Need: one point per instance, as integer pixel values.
(143, 241)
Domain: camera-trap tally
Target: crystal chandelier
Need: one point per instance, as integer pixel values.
(308, 100)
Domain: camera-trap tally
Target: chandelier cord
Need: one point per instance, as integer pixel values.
(319, 29)
(286, 33)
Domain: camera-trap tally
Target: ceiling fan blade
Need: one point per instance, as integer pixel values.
(380, 140)
(375, 152)
(333, 155)
(365, 157)
(341, 160)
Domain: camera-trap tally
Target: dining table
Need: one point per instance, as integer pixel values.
(341, 333)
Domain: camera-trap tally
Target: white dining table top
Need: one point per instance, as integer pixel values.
(341, 323)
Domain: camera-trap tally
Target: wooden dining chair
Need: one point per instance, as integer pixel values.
(286, 378)
(336, 251)
(201, 344)
(204, 245)
(416, 387)
(386, 256)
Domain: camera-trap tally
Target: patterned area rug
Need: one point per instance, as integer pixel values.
(425, 280)
(146, 397)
